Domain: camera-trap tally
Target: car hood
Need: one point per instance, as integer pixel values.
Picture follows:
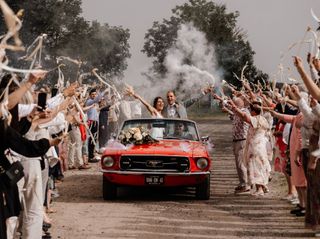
(163, 147)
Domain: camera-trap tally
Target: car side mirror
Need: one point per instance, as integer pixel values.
(205, 139)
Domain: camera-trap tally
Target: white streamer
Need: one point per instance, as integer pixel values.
(83, 117)
(104, 82)
(23, 71)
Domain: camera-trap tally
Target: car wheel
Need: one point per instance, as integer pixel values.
(109, 189)
(203, 189)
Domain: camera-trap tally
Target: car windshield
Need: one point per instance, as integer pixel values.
(165, 128)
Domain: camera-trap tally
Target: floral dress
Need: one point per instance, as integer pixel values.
(255, 153)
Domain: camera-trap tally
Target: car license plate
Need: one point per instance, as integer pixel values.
(154, 180)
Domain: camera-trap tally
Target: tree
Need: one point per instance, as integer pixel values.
(232, 49)
(69, 34)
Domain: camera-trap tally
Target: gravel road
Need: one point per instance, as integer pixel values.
(154, 213)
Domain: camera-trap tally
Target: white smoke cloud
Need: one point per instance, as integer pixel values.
(191, 64)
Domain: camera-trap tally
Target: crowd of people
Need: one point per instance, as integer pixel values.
(48, 131)
(272, 128)
(278, 129)
(45, 132)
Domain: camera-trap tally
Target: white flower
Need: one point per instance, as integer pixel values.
(121, 137)
(128, 135)
(137, 136)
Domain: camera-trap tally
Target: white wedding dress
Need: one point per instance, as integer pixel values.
(157, 133)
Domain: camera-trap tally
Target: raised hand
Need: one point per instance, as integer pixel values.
(297, 62)
(295, 93)
(230, 102)
(37, 76)
(313, 102)
(129, 90)
(316, 63)
(208, 89)
(215, 96)
(70, 90)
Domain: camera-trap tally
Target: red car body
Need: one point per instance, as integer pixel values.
(166, 163)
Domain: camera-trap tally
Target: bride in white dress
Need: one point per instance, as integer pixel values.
(155, 110)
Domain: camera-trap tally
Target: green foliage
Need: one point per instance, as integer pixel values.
(68, 34)
(220, 28)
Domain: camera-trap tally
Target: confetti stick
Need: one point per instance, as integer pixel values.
(60, 58)
(23, 71)
(283, 54)
(242, 72)
(291, 79)
(94, 71)
(60, 82)
(316, 44)
(235, 75)
(82, 118)
(315, 18)
(264, 84)
(7, 87)
(230, 86)
(281, 72)
(274, 83)
(37, 50)
(303, 40)
(13, 24)
(77, 62)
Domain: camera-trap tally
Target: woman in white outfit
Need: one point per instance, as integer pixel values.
(155, 110)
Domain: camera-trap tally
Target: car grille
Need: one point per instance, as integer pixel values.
(154, 163)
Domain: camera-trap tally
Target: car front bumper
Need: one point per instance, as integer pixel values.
(170, 179)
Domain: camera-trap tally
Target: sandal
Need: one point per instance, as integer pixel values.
(265, 189)
(51, 211)
(258, 194)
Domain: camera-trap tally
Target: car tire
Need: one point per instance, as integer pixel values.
(109, 189)
(203, 189)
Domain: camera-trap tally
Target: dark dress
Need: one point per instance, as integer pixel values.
(103, 126)
(9, 195)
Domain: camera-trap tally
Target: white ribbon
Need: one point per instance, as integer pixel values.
(104, 82)
(83, 117)
(23, 71)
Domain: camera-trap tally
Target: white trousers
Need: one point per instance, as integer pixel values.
(75, 147)
(33, 196)
(12, 224)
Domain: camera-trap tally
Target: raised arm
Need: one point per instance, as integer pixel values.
(267, 101)
(251, 94)
(129, 90)
(189, 102)
(15, 96)
(311, 86)
(283, 117)
(243, 115)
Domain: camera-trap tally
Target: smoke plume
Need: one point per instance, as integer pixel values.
(191, 64)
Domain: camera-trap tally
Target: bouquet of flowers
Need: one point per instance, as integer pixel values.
(138, 135)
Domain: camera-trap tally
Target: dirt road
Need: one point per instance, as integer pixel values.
(137, 213)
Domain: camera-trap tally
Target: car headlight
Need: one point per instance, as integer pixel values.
(202, 163)
(108, 161)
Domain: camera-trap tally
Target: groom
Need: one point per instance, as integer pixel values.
(175, 109)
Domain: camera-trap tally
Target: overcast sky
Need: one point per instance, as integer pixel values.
(271, 25)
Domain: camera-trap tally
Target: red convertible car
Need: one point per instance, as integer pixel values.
(176, 157)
